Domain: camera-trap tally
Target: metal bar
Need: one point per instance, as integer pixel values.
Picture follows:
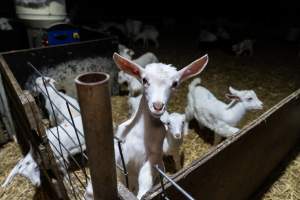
(67, 173)
(64, 161)
(187, 195)
(94, 99)
(123, 163)
(163, 193)
(81, 150)
(62, 155)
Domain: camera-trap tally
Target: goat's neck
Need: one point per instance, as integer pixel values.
(234, 112)
(51, 92)
(152, 125)
(153, 133)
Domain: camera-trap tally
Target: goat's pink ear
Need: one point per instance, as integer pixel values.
(194, 68)
(232, 97)
(127, 65)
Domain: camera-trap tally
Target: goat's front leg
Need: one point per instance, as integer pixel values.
(224, 129)
(145, 179)
(177, 160)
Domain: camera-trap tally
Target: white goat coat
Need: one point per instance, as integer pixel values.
(69, 141)
(143, 135)
(59, 108)
(210, 112)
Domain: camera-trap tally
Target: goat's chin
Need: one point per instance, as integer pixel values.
(157, 114)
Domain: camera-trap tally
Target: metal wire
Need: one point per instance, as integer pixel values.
(62, 151)
(123, 163)
(163, 175)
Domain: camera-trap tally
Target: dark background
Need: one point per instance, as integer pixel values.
(256, 19)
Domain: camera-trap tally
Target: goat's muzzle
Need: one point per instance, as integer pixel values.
(158, 106)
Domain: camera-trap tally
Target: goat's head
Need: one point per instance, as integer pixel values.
(174, 123)
(159, 80)
(247, 97)
(26, 167)
(122, 78)
(39, 83)
(125, 52)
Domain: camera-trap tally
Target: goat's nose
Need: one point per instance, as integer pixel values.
(177, 135)
(158, 106)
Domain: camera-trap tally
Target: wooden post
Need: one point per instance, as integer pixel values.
(94, 100)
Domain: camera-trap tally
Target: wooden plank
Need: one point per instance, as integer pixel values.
(27, 120)
(5, 111)
(237, 167)
(124, 193)
(53, 55)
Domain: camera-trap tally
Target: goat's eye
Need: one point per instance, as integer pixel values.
(249, 99)
(174, 84)
(168, 123)
(145, 81)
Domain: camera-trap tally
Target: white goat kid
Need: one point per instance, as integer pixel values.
(144, 132)
(67, 143)
(175, 124)
(133, 104)
(133, 27)
(243, 47)
(63, 146)
(143, 60)
(206, 36)
(150, 33)
(125, 52)
(216, 115)
(60, 108)
(134, 86)
(175, 127)
(26, 167)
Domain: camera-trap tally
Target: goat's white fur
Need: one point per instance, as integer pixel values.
(216, 115)
(133, 27)
(175, 124)
(148, 34)
(207, 36)
(175, 127)
(59, 107)
(134, 86)
(143, 133)
(244, 46)
(133, 103)
(26, 167)
(68, 141)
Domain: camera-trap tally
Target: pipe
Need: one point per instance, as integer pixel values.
(95, 106)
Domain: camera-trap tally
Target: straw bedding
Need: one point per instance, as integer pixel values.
(272, 79)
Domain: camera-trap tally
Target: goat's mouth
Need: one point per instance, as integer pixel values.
(157, 114)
